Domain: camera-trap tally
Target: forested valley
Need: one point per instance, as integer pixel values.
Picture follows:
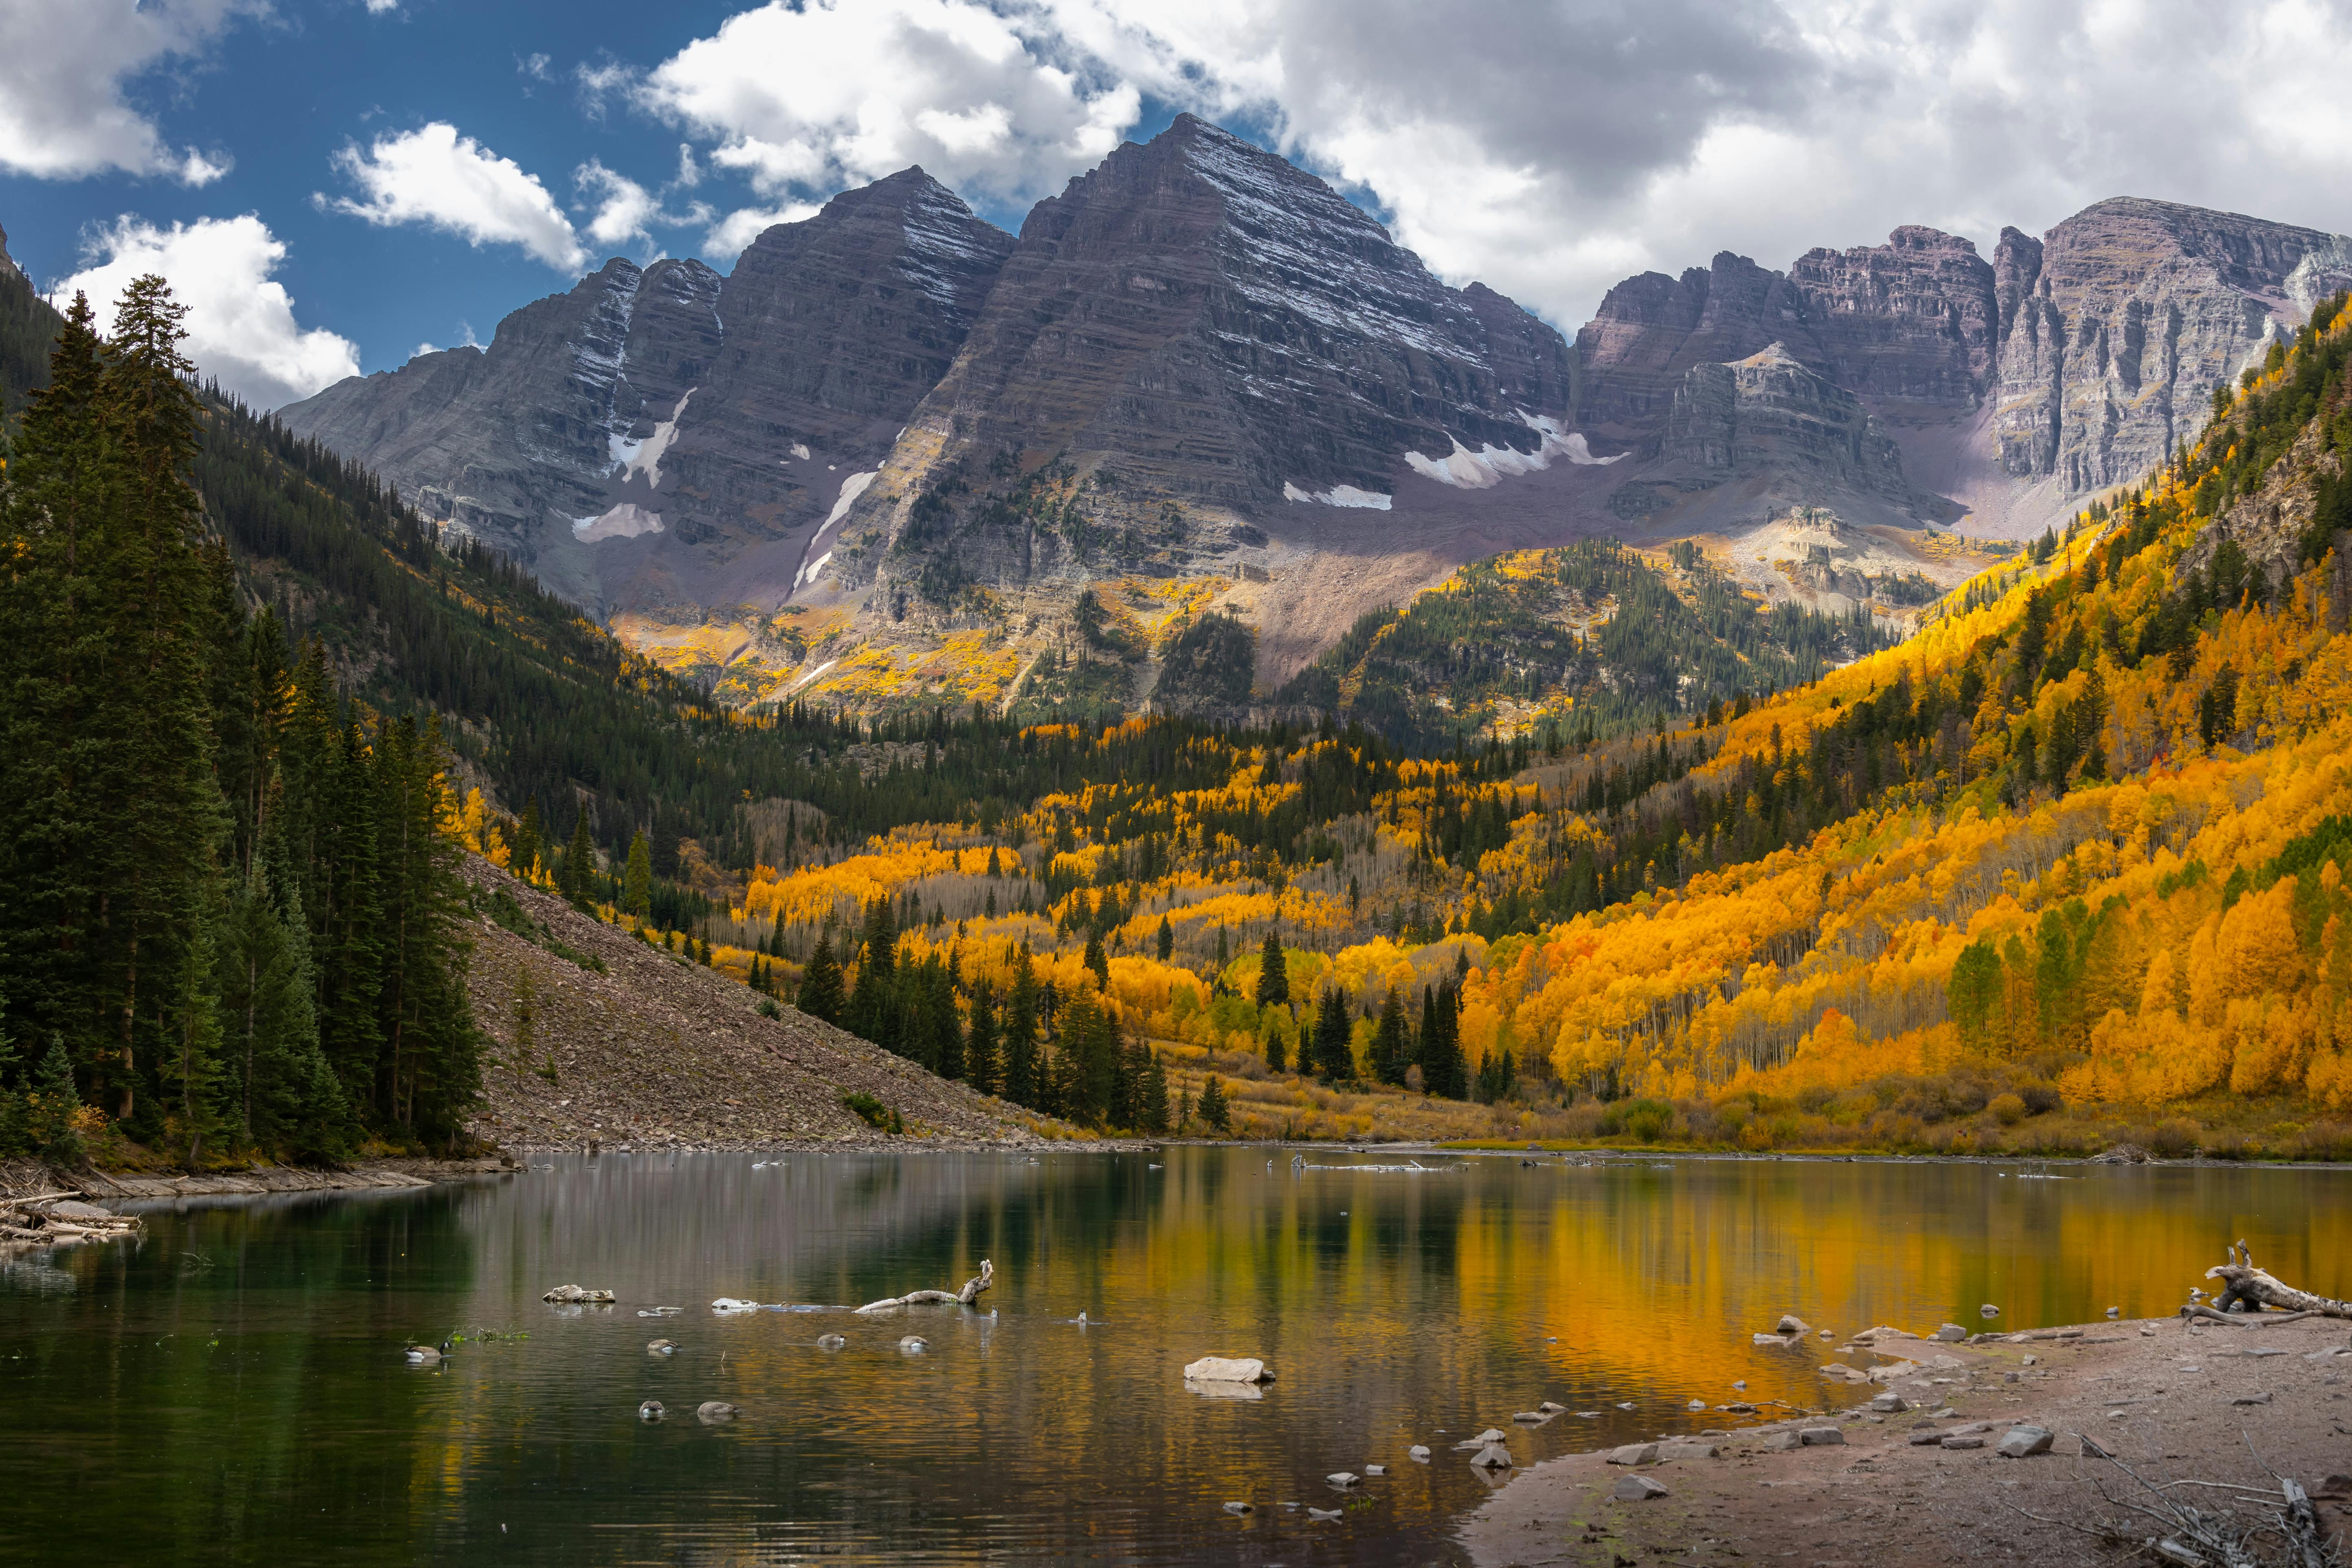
(2062, 870)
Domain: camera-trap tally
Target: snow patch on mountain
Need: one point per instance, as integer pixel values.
(1489, 465)
(626, 521)
(632, 458)
(1339, 495)
(851, 489)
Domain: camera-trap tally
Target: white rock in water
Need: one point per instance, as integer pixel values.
(714, 1410)
(1493, 1457)
(1376, 1469)
(914, 1344)
(733, 1304)
(1418, 1452)
(1228, 1369)
(1240, 1507)
(1343, 1477)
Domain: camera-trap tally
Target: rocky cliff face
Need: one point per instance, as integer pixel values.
(1913, 321)
(1215, 324)
(2128, 314)
(2065, 364)
(664, 437)
(1767, 414)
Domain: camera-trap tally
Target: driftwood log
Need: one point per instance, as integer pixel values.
(2250, 1288)
(963, 1298)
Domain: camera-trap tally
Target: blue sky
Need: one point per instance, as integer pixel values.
(332, 183)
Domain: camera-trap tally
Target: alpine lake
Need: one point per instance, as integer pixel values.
(231, 1386)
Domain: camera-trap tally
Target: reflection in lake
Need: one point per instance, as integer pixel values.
(230, 1388)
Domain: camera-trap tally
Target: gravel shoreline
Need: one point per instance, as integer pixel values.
(2208, 1402)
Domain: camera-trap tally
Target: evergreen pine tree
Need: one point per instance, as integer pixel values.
(638, 882)
(1273, 973)
(580, 864)
(981, 1065)
(1097, 960)
(1390, 1055)
(1163, 941)
(1334, 1055)
(1212, 1111)
(820, 994)
(1023, 1083)
(1152, 1097)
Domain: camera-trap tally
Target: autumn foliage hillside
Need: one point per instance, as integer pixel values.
(2066, 866)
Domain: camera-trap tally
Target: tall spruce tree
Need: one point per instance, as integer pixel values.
(1273, 973)
(820, 994)
(637, 882)
(1334, 1055)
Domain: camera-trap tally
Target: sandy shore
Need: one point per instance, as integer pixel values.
(2171, 1402)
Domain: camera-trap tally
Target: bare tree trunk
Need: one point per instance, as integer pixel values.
(963, 1298)
(2244, 1284)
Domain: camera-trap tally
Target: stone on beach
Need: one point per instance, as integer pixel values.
(1634, 1454)
(1228, 1369)
(2021, 1441)
(1890, 1404)
(1637, 1489)
(1822, 1437)
(1951, 1334)
(1687, 1450)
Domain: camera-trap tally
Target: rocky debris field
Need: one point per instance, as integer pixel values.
(656, 1051)
(1983, 1452)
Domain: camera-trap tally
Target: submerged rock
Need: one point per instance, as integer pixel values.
(660, 1347)
(1228, 1369)
(651, 1410)
(710, 1411)
(830, 1341)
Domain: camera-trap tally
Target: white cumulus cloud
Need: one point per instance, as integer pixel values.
(64, 65)
(240, 320)
(437, 177)
(626, 210)
(814, 96)
(1551, 147)
(724, 240)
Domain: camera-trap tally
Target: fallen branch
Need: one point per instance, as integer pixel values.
(2245, 1285)
(963, 1298)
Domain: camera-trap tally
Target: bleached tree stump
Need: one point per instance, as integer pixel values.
(963, 1298)
(2244, 1284)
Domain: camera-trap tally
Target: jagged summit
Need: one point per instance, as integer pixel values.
(667, 438)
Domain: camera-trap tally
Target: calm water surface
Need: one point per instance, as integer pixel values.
(230, 1388)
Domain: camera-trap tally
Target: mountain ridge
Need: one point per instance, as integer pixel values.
(1258, 393)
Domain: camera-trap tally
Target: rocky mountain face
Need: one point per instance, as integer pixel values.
(1217, 325)
(2125, 319)
(664, 438)
(899, 456)
(1769, 413)
(2013, 387)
